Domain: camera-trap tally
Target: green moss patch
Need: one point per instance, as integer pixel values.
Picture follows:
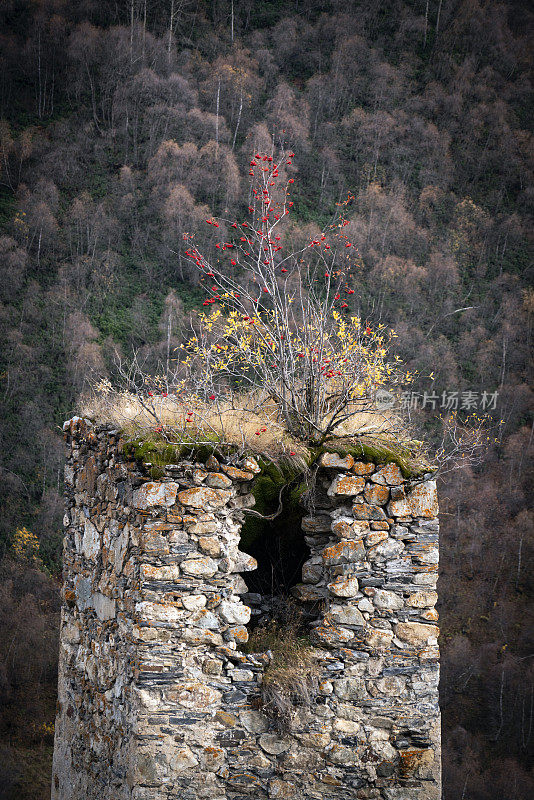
(380, 451)
(159, 452)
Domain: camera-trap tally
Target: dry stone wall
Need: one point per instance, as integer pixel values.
(156, 698)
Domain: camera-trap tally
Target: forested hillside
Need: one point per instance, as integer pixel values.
(124, 124)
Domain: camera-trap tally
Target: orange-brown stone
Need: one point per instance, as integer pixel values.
(203, 497)
(361, 468)
(237, 474)
(347, 485)
(390, 475)
(376, 495)
(343, 551)
(335, 461)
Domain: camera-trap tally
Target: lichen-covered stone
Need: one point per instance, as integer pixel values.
(420, 501)
(309, 594)
(212, 463)
(205, 619)
(240, 562)
(218, 481)
(349, 528)
(210, 545)
(237, 474)
(204, 526)
(335, 461)
(251, 465)
(200, 567)
(237, 633)
(194, 694)
(204, 497)
(390, 475)
(281, 790)
(344, 551)
(273, 744)
(375, 494)
(365, 511)
(346, 485)
(155, 494)
(375, 538)
(331, 636)
(344, 587)
(170, 572)
(105, 607)
(194, 602)
(388, 548)
(363, 468)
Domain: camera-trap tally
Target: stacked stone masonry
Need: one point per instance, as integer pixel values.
(156, 698)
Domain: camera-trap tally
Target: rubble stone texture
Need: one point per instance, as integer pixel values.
(156, 699)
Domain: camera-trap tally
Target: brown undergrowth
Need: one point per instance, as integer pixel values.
(291, 680)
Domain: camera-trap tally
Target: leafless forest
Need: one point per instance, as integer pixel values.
(124, 124)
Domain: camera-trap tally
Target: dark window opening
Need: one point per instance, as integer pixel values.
(279, 547)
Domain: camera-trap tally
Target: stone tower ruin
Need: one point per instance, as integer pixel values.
(158, 700)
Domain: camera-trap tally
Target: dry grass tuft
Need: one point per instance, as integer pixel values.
(248, 422)
(291, 680)
(243, 424)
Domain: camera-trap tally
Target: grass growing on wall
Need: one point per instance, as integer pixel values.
(291, 679)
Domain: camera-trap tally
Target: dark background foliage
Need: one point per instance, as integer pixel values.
(126, 122)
